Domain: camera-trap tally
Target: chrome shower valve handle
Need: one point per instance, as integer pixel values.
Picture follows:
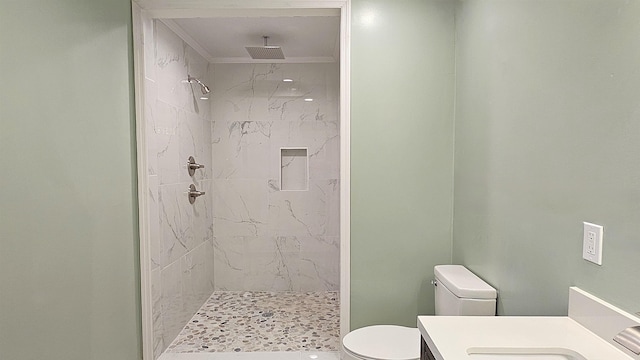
(192, 166)
(193, 193)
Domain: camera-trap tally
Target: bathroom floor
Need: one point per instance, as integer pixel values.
(263, 321)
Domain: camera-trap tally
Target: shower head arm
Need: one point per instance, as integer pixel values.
(204, 88)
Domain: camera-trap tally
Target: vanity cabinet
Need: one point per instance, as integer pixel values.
(425, 353)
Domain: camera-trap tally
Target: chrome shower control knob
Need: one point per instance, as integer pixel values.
(192, 166)
(193, 193)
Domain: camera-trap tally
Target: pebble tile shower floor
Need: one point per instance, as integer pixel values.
(262, 321)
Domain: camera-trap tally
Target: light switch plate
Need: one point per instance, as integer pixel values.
(592, 243)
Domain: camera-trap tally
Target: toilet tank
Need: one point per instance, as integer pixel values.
(459, 292)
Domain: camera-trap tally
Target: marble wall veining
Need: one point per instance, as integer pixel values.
(267, 239)
(178, 126)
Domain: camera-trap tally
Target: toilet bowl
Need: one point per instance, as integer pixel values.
(458, 292)
(382, 342)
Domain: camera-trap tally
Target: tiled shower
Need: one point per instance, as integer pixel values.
(268, 223)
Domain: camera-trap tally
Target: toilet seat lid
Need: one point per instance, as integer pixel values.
(384, 342)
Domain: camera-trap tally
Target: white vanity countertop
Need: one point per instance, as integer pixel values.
(449, 337)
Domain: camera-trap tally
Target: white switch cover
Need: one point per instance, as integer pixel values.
(592, 243)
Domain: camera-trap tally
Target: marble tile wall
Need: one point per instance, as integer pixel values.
(267, 239)
(178, 126)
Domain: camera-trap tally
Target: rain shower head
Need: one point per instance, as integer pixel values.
(265, 52)
(204, 88)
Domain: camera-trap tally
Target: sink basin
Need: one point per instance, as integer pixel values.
(511, 353)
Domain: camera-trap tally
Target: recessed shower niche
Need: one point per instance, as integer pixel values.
(294, 169)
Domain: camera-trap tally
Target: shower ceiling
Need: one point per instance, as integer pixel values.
(223, 39)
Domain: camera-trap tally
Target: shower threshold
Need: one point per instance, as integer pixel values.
(273, 355)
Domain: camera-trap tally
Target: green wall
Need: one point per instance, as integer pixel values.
(548, 136)
(402, 63)
(68, 243)
(546, 91)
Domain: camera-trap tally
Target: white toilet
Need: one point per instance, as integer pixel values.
(459, 292)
